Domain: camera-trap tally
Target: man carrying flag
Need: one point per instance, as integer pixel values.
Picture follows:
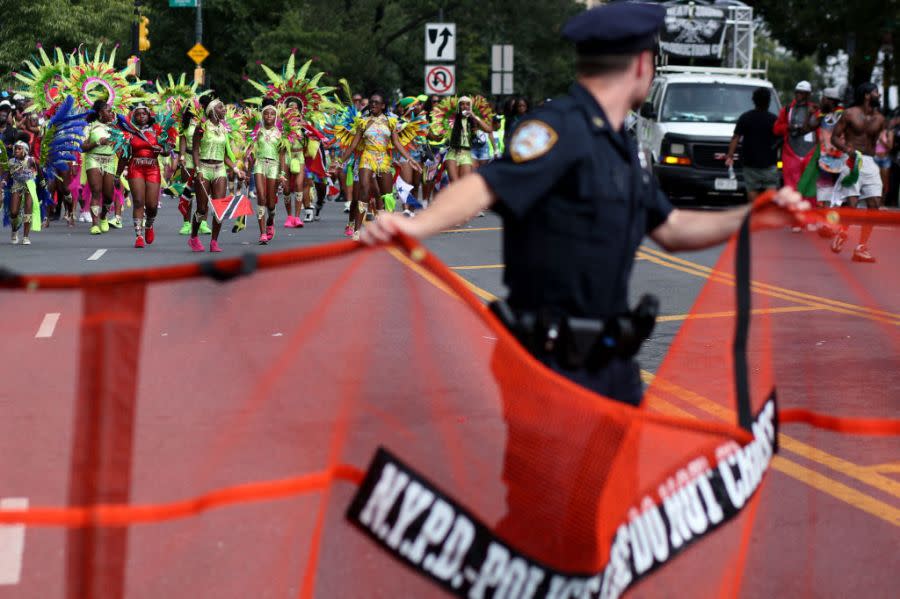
(821, 174)
(799, 139)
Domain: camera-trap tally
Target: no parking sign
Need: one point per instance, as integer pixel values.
(440, 80)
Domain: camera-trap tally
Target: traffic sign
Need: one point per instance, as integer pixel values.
(502, 70)
(198, 53)
(440, 79)
(440, 41)
(182, 3)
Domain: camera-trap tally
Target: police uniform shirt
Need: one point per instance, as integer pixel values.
(576, 205)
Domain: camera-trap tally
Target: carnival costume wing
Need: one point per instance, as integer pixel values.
(62, 139)
(409, 130)
(343, 126)
(44, 79)
(96, 77)
(167, 126)
(442, 116)
(482, 109)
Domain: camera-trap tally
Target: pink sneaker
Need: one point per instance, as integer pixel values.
(214, 246)
(348, 231)
(289, 222)
(298, 222)
(195, 245)
(270, 232)
(263, 239)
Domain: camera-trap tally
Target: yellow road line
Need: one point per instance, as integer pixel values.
(861, 473)
(731, 314)
(889, 468)
(726, 279)
(422, 272)
(819, 481)
(801, 473)
(792, 292)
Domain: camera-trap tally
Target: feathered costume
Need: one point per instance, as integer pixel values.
(174, 94)
(61, 143)
(97, 78)
(443, 115)
(46, 78)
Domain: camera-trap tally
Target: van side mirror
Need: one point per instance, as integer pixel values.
(647, 110)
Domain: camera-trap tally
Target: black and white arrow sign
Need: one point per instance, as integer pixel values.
(440, 42)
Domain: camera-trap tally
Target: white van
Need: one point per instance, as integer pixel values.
(685, 126)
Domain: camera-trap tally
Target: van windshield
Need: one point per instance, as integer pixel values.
(709, 103)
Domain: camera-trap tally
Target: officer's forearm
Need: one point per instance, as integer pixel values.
(695, 230)
(461, 201)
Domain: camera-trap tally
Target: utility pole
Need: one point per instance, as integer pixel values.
(198, 26)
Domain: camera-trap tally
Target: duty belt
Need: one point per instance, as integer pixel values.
(580, 343)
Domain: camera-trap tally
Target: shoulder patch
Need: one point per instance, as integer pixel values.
(532, 140)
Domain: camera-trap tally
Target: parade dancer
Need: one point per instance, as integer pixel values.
(268, 169)
(148, 140)
(457, 122)
(378, 135)
(304, 95)
(22, 170)
(211, 159)
(857, 134)
(100, 162)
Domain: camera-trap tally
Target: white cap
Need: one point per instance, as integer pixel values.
(803, 86)
(831, 92)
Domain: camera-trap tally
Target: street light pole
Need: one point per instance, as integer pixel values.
(198, 26)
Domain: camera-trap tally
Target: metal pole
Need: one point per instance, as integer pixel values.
(198, 27)
(135, 45)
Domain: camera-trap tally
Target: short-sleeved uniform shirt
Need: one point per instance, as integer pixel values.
(758, 147)
(576, 205)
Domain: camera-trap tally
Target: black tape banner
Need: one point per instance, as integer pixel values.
(421, 526)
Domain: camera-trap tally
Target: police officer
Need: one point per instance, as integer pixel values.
(576, 205)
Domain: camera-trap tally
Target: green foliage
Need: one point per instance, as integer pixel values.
(59, 23)
(785, 69)
(816, 28)
(372, 43)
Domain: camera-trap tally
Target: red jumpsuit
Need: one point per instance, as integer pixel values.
(144, 163)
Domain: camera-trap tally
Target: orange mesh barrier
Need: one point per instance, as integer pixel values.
(354, 423)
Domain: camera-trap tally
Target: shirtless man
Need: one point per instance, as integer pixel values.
(858, 130)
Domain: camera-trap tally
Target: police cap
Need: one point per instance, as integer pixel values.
(616, 28)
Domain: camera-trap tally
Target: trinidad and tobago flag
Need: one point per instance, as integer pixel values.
(231, 207)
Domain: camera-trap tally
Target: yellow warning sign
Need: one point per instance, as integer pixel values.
(198, 53)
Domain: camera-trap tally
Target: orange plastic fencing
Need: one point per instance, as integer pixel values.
(354, 423)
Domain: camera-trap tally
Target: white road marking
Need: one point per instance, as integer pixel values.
(97, 255)
(12, 543)
(47, 325)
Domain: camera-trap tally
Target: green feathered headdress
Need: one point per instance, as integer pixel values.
(293, 87)
(45, 78)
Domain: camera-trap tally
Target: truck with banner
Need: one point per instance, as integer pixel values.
(705, 81)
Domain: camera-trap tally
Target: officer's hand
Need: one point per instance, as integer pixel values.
(384, 227)
(785, 209)
(729, 161)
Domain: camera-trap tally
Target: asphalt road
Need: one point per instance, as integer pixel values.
(849, 479)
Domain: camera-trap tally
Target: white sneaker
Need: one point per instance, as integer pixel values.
(355, 236)
(346, 207)
(408, 213)
(481, 213)
(26, 241)
(308, 215)
(85, 218)
(14, 238)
